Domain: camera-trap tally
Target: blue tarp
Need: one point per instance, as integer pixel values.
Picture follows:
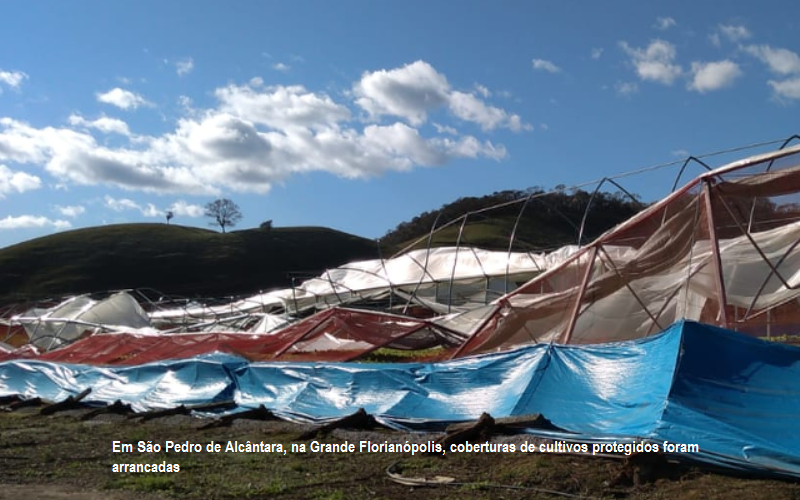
(735, 397)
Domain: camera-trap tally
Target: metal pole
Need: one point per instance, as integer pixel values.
(712, 235)
(573, 319)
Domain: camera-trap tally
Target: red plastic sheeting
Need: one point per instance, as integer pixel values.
(332, 335)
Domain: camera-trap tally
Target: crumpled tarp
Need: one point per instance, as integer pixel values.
(336, 334)
(734, 396)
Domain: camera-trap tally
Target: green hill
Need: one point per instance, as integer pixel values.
(548, 220)
(172, 259)
(196, 262)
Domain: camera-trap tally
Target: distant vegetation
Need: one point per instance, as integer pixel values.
(549, 220)
(224, 212)
(196, 262)
(172, 259)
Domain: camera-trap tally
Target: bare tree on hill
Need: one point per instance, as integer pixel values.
(225, 213)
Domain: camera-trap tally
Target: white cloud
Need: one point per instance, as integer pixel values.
(400, 140)
(789, 89)
(626, 88)
(151, 210)
(185, 102)
(780, 61)
(184, 66)
(545, 65)
(184, 209)
(470, 108)
(734, 33)
(17, 182)
(515, 124)
(408, 92)
(470, 147)
(118, 205)
(414, 90)
(258, 135)
(12, 78)
(665, 23)
(139, 170)
(178, 208)
(47, 146)
(103, 124)
(75, 157)
(281, 107)
(597, 53)
(483, 91)
(123, 204)
(656, 63)
(70, 210)
(123, 99)
(32, 221)
(284, 68)
(445, 129)
(711, 76)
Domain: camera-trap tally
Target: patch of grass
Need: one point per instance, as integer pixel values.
(144, 482)
(236, 489)
(298, 466)
(82, 457)
(329, 495)
(477, 486)
(388, 355)
(136, 435)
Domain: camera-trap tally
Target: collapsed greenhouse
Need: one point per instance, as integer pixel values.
(663, 328)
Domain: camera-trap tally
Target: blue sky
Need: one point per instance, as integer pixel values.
(359, 115)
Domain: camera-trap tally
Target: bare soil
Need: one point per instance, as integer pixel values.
(62, 457)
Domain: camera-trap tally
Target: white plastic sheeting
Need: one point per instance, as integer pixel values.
(69, 320)
(680, 291)
(723, 250)
(424, 276)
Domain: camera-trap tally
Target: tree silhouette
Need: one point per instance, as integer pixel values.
(170, 215)
(225, 213)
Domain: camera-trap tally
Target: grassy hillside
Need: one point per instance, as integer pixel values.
(199, 262)
(547, 221)
(173, 259)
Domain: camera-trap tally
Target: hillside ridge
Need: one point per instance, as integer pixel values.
(539, 220)
(198, 262)
(172, 259)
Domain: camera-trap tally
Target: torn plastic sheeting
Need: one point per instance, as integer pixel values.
(610, 389)
(738, 396)
(740, 405)
(394, 393)
(416, 270)
(336, 334)
(734, 396)
(452, 391)
(80, 313)
(146, 387)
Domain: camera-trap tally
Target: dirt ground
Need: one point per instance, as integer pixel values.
(63, 457)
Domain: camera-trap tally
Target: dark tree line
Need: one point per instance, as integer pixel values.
(554, 216)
